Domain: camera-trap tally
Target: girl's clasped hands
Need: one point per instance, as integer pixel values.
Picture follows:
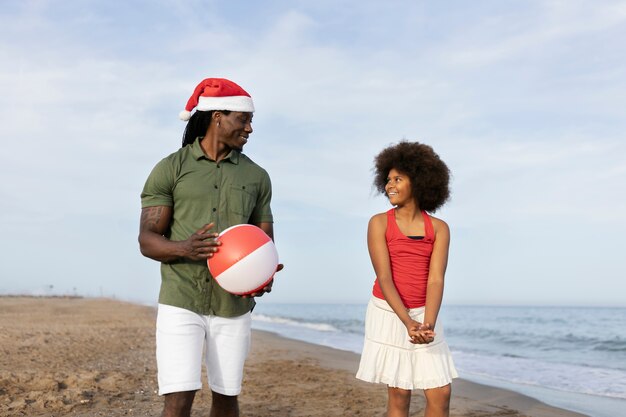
(420, 333)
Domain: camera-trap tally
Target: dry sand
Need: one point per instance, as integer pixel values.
(95, 357)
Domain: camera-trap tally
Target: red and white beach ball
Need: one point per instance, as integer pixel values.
(246, 260)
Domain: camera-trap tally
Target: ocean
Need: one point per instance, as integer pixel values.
(568, 357)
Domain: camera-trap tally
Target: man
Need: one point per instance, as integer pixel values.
(191, 195)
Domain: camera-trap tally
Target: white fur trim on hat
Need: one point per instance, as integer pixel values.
(232, 103)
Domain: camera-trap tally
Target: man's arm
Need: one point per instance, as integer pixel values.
(267, 227)
(155, 221)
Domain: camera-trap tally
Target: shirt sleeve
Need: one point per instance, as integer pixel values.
(262, 212)
(158, 189)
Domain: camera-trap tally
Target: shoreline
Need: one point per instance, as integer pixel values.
(468, 398)
(95, 357)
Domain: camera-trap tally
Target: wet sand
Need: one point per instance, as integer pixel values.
(95, 357)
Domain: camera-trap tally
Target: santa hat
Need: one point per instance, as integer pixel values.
(217, 94)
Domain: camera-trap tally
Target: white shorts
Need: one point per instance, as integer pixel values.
(180, 337)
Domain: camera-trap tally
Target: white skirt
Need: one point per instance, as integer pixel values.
(389, 358)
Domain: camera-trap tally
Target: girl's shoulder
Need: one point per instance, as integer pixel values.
(378, 220)
(379, 217)
(439, 225)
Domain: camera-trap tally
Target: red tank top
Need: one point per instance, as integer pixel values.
(410, 262)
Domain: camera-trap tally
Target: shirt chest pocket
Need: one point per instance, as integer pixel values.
(243, 199)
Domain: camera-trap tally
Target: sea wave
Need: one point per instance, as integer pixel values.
(613, 345)
(589, 380)
(320, 327)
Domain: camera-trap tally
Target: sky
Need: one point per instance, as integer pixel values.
(524, 100)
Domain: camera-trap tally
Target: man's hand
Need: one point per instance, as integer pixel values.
(201, 245)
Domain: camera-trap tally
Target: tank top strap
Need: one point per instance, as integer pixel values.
(392, 227)
(428, 226)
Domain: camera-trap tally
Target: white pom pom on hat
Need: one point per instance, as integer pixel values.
(217, 94)
(184, 115)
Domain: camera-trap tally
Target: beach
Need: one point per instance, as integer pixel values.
(69, 356)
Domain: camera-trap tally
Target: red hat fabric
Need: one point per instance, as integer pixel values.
(218, 94)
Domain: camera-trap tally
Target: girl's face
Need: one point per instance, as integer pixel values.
(398, 188)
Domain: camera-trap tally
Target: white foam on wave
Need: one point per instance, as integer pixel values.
(524, 371)
(320, 327)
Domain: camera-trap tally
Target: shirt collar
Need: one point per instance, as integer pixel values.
(198, 153)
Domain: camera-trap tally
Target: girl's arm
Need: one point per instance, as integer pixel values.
(437, 271)
(379, 255)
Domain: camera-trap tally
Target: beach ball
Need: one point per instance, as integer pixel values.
(246, 261)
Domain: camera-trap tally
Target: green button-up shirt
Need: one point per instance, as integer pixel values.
(201, 191)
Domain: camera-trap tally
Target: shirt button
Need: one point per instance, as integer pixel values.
(215, 186)
(214, 209)
(217, 166)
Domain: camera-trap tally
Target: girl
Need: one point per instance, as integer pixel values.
(404, 344)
